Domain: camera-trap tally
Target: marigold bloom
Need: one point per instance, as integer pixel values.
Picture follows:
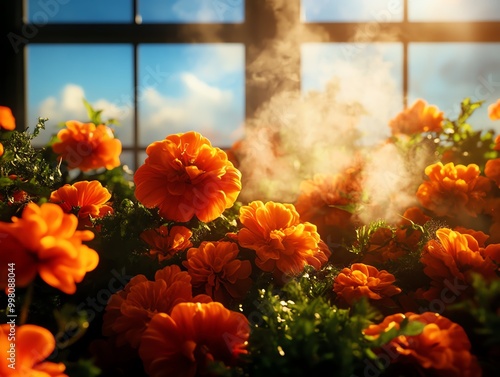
(451, 259)
(45, 241)
(494, 110)
(86, 146)
(215, 268)
(184, 176)
(441, 349)
(282, 243)
(33, 344)
(165, 243)
(129, 311)
(185, 342)
(361, 280)
(84, 199)
(419, 117)
(453, 190)
(7, 120)
(492, 167)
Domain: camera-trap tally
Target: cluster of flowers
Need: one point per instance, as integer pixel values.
(187, 315)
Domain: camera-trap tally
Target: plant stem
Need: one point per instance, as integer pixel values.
(26, 305)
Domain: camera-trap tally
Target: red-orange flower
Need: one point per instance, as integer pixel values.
(32, 345)
(193, 336)
(184, 176)
(129, 311)
(494, 110)
(361, 280)
(215, 268)
(84, 199)
(165, 243)
(441, 349)
(419, 117)
(453, 190)
(7, 120)
(45, 241)
(86, 146)
(282, 243)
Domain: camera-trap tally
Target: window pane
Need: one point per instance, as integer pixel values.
(41, 12)
(187, 87)
(365, 74)
(197, 11)
(353, 10)
(445, 73)
(59, 77)
(454, 10)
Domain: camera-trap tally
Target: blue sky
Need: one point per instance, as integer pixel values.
(201, 87)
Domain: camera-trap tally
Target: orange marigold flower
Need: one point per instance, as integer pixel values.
(492, 170)
(453, 190)
(450, 260)
(282, 243)
(193, 336)
(184, 176)
(215, 268)
(86, 146)
(441, 349)
(361, 280)
(1, 150)
(165, 243)
(7, 120)
(33, 344)
(494, 110)
(419, 117)
(129, 311)
(45, 241)
(84, 199)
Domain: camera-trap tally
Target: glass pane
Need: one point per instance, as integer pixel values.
(41, 12)
(187, 87)
(454, 10)
(196, 11)
(60, 76)
(353, 10)
(445, 73)
(366, 74)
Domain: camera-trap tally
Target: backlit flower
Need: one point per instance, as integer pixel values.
(84, 199)
(441, 349)
(492, 167)
(1, 150)
(361, 280)
(184, 176)
(45, 241)
(282, 243)
(7, 120)
(32, 345)
(494, 110)
(453, 190)
(419, 117)
(129, 311)
(86, 146)
(215, 268)
(166, 243)
(193, 336)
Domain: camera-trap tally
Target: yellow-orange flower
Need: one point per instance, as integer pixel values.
(1, 149)
(86, 146)
(165, 243)
(84, 199)
(419, 117)
(441, 349)
(129, 311)
(184, 176)
(193, 336)
(450, 259)
(215, 268)
(361, 280)
(32, 345)
(45, 241)
(282, 243)
(494, 110)
(7, 120)
(454, 190)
